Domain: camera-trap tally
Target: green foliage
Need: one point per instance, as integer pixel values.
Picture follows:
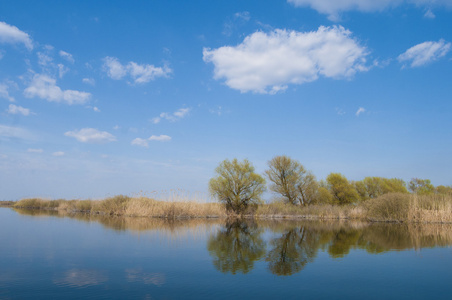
(291, 180)
(237, 185)
(373, 187)
(324, 196)
(342, 190)
(443, 190)
(421, 186)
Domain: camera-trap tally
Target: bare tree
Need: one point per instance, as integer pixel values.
(291, 180)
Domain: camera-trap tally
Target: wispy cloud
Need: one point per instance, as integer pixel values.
(268, 62)
(238, 19)
(424, 53)
(360, 111)
(12, 35)
(32, 150)
(145, 142)
(58, 153)
(45, 87)
(67, 56)
(139, 73)
(90, 81)
(91, 135)
(4, 93)
(14, 132)
(172, 117)
(333, 8)
(15, 110)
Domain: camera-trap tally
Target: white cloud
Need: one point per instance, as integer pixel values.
(139, 73)
(89, 81)
(268, 62)
(360, 111)
(12, 35)
(62, 69)
(425, 52)
(14, 110)
(140, 142)
(114, 68)
(333, 8)
(58, 153)
(237, 20)
(4, 92)
(44, 59)
(67, 56)
(159, 138)
(145, 142)
(175, 116)
(91, 135)
(429, 14)
(35, 150)
(45, 87)
(96, 109)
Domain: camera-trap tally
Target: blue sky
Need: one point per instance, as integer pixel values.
(107, 97)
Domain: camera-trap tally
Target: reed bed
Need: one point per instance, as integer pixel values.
(394, 207)
(130, 206)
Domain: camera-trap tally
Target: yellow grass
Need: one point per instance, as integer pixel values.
(387, 208)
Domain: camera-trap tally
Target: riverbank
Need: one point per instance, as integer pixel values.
(395, 207)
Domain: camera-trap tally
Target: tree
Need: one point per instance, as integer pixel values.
(237, 186)
(373, 187)
(421, 186)
(291, 180)
(342, 190)
(443, 190)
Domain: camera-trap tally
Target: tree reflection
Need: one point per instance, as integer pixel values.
(292, 251)
(236, 247)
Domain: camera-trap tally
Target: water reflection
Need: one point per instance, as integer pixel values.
(236, 247)
(286, 247)
(295, 244)
(80, 278)
(291, 251)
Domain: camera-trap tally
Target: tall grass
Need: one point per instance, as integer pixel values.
(129, 206)
(395, 207)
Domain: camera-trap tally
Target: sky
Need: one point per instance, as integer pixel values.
(99, 98)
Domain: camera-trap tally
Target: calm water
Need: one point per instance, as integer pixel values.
(46, 256)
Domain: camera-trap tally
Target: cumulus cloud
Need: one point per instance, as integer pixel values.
(175, 116)
(58, 153)
(45, 87)
(15, 110)
(67, 56)
(4, 93)
(425, 52)
(360, 111)
(145, 142)
(268, 62)
(139, 73)
(12, 35)
(333, 8)
(91, 135)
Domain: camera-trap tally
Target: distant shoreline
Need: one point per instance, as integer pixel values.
(395, 208)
